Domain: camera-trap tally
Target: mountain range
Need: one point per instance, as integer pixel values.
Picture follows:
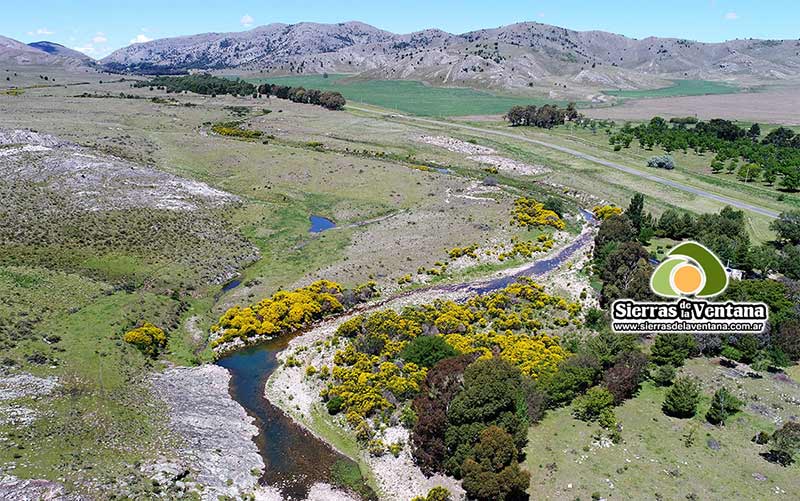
(515, 56)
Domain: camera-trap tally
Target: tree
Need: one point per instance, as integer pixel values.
(635, 211)
(723, 404)
(673, 348)
(427, 350)
(626, 274)
(492, 472)
(787, 339)
(682, 399)
(574, 376)
(623, 378)
(749, 172)
(787, 226)
(754, 132)
(661, 162)
(785, 443)
(441, 384)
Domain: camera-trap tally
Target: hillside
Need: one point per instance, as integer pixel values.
(40, 53)
(514, 56)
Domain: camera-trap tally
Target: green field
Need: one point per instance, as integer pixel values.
(678, 88)
(411, 97)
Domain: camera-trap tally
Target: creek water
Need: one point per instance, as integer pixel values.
(319, 223)
(294, 458)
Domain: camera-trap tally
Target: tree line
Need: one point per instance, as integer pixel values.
(200, 83)
(775, 155)
(546, 116)
(327, 99)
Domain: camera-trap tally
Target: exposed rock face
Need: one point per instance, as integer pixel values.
(94, 181)
(516, 55)
(216, 430)
(15, 489)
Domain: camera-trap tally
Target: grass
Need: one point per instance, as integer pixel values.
(410, 96)
(663, 457)
(678, 88)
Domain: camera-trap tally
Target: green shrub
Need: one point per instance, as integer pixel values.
(662, 375)
(427, 350)
(590, 406)
(682, 399)
(723, 404)
(335, 404)
(673, 348)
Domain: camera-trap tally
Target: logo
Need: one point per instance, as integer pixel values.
(689, 270)
(691, 274)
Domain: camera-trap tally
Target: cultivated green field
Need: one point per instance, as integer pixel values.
(678, 88)
(410, 97)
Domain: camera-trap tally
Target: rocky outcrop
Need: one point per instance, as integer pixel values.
(216, 432)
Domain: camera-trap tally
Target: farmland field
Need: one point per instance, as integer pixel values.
(410, 97)
(678, 88)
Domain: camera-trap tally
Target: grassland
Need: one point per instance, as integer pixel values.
(678, 88)
(662, 457)
(410, 97)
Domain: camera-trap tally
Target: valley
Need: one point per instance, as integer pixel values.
(382, 286)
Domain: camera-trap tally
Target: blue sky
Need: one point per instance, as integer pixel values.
(97, 27)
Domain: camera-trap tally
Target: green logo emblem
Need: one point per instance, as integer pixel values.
(690, 269)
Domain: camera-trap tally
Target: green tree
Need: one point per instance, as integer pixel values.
(673, 348)
(492, 472)
(682, 399)
(787, 226)
(635, 211)
(723, 404)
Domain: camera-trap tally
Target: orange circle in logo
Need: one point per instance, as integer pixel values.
(687, 279)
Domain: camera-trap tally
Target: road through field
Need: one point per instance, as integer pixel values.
(585, 156)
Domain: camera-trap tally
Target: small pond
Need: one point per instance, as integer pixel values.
(319, 224)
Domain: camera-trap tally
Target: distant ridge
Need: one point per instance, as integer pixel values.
(514, 56)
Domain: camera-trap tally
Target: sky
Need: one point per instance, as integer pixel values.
(97, 27)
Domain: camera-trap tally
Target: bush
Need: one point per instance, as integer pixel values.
(335, 404)
(574, 376)
(438, 493)
(427, 350)
(682, 399)
(661, 162)
(591, 405)
(662, 375)
(148, 338)
(723, 404)
(673, 349)
(785, 443)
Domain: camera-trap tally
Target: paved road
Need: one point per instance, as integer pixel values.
(629, 170)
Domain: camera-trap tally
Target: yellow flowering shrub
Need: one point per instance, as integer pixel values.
(603, 212)
(283, 312)
(529, 212)
(148, 338)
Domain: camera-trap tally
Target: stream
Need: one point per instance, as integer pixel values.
(294, 459)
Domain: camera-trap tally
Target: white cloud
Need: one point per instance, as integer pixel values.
(731, 16)
(41, 31)
(100, 38)
(88, 50)
(247, 20)
(140, 38)
(541, 15)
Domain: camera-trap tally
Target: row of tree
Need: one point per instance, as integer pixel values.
(776, 155)
(327, 99)
(200, 83)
